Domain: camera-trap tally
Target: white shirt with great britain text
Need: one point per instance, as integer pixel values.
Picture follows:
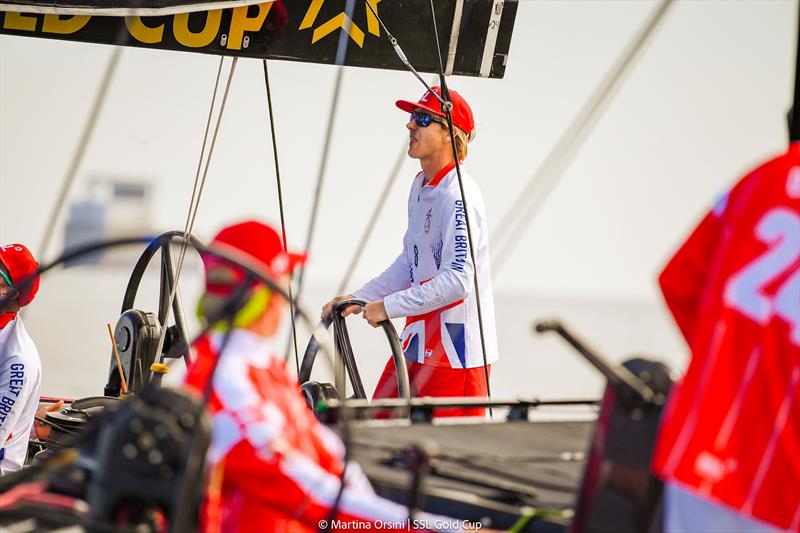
(431, 280)
(20, 387)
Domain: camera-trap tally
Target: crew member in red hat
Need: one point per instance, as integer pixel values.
(20, 367)
(273, 466)
(431, 280)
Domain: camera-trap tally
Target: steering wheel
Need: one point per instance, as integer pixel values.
(315, 392)
(250, 268)
(162, 242)
(137, 332)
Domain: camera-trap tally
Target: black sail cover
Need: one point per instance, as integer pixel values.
(474, 35)
(120, 8)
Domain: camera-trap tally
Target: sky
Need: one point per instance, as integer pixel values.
(704, 103)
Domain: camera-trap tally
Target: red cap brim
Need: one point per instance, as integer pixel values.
(408, 107)
(296, 259)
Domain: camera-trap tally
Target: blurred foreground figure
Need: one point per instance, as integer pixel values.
(729, 444)
(20, 367)
(273, 466)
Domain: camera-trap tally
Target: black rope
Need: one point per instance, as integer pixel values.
(471, 248)
(794, 121)
(195, 189)
(341, 56)
(201, 186)
(447, 105)
(192, 215)
(447, 109)
(193, 200)
(280, 207)
(438, 47)
(322, 168)
(402, 55)
(193, 206)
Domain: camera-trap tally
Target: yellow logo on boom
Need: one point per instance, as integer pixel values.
(341, 21)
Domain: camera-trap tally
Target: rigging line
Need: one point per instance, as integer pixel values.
(447, 106)
(794, 119)
(280, 207)
(341, 56)
(526, 206)
(436, 35)
(195, 188)
(194, 199)
(398, 165)
(80, 151)
(193, 210)
(402, 55)
(447, 109)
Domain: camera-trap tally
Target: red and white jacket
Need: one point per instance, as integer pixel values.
(731, 429)
(280, 466)
(431, 281)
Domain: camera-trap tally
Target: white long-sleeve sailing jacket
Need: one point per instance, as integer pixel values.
(431, 281)
(20, 384)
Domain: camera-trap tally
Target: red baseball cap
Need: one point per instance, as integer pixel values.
(461, 113)
(257, 240)
(19, 265)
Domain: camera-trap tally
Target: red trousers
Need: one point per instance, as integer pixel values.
(436, 381)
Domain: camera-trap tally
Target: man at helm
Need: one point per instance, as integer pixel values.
(20, 367)
(431, 280)
(273, 466)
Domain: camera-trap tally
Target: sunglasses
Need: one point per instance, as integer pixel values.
(5, 275)
(423, 119)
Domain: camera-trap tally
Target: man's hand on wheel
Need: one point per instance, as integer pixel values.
(327, 309)
(375, 313)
